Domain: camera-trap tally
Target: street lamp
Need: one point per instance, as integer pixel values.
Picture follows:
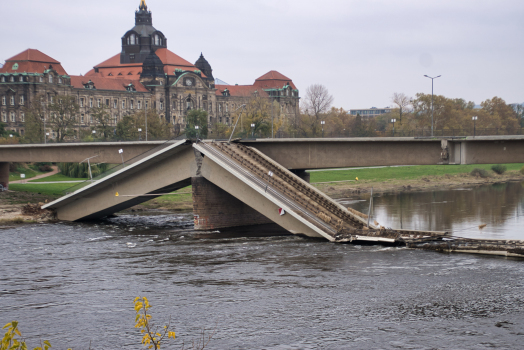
(474, 118)
(322, 123)
(432, 100)
(139, 134)
(393, 121)
(252, 130)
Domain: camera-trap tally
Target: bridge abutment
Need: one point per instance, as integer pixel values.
(4, 174)
(214, 208)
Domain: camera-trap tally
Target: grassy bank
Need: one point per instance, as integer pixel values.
(399, 173)
(57, 177)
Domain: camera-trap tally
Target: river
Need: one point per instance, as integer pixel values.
(74, 283)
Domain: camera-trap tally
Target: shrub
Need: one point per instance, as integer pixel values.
(479, 173)
(45, 168)
(522, 170)
(499, 168)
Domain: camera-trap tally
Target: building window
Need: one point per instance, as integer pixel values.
(12, 79)
(50, 78)
(82, 102)
(4, 117)
(107, 102)
(139, 104)
(21, 79)
(98, 103)
(161, 106)
(124, 104)
(59, 80)
(22, 100)
(3, 100)
(22, 116)
(115, 103)
(13, 117)
(205, 106)
(132, 104)
(158, 41)
(41, 79)
(82, 119)
(220, 119)
(12, 100)
(90, 103)
(219, 107)
(227, 108)
(147, 104)
(3, 79)
(132, 39)
(91, 118)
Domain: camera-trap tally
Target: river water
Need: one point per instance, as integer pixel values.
(74, 283)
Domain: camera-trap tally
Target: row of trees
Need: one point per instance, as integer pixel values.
(63, 119)
(262, 118)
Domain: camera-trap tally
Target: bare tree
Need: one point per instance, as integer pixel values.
(402, 101)
(63, 113)
(317, 102)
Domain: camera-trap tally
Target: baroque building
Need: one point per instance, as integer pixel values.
(144, 75)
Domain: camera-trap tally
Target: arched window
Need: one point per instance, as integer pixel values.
(157, 40)
(132, 39)
(50, 78)
(13, 117)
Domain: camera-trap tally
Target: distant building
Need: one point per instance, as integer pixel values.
(370, 112)
(144, 75)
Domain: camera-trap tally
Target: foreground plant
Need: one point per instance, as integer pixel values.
(152, 337)
(10, 341)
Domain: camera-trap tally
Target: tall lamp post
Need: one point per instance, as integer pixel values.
(252, 130)
(474, 118)
(393, 121)
(196, 128)
(139, 134)
(322, 123)
(432, 100)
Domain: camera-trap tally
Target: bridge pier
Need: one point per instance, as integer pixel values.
(4, 174)
(214, 208)
(303, 174)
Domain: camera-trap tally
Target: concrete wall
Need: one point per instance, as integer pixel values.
(215, 208)
(488, 151)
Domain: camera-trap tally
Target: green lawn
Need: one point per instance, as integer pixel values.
(48, 189)
(29, 173)
(58, 177)
(399, 173)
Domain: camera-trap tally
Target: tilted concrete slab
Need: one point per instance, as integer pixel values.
(163, 171)
(236, 183)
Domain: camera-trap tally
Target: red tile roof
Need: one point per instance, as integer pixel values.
(240, 90)
(113, 66)
(32, 61)
(106, 83)
(273, 80)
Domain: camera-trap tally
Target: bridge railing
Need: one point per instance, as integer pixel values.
(118, 167)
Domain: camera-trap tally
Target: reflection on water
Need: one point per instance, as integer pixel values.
(460, 211)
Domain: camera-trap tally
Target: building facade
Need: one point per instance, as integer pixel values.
(144, 75)
(370, 112)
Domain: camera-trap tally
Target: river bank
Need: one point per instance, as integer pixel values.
(382, 182)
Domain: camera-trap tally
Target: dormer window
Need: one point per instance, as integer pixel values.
(41, 79)
(3, 79)
(110, 75)
(59, 80)
(21, 79)
(132, 39)
(50, 79)
(226, 93)
(158, 40)
(130, 88)
(89, 85)
(12, 79)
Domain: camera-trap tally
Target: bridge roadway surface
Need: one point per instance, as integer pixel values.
(240, 170)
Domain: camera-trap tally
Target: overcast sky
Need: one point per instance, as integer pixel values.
(361, 50)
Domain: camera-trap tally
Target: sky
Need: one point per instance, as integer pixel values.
(362, 51)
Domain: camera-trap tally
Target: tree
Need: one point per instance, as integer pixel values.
(317, 102)
(63, 112)
(402, 101)
(157, 128)
(102, 118)
(196, 117)
(257, 118)
(34, 120)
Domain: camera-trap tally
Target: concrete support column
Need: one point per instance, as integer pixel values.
(301, 173)
(4, 174)
(214, 208)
